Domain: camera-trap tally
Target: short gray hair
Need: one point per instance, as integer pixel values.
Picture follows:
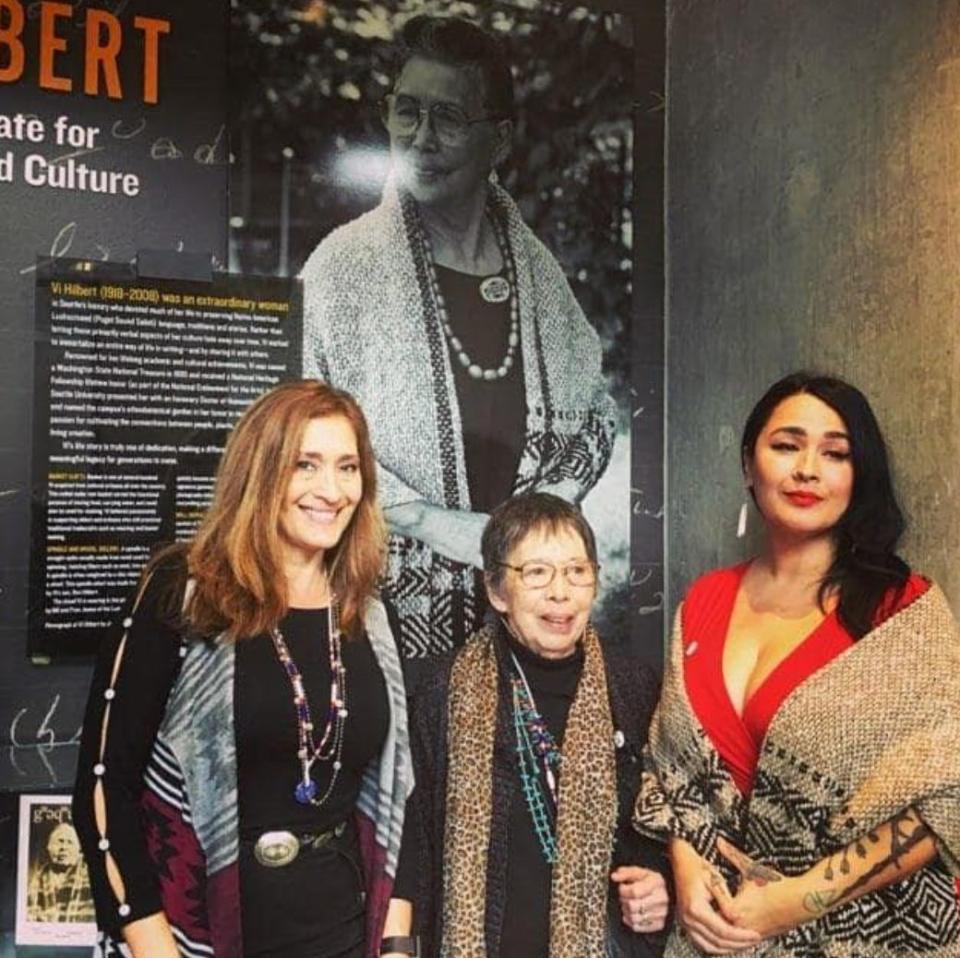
(463, 44)
(513, 520)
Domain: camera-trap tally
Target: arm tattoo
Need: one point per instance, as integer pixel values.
(906, 832)
(858, 846)
(761, 874)
(819, 902)
(753, 871)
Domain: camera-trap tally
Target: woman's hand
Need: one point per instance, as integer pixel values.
(454, 533)
(398, 923)
(771, 903)
(766, 901)
(703, 900)
(151, 937)
(643, 897)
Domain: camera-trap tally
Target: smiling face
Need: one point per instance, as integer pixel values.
(547, 620)
(323, 492)
(801, 470)
(439, 175)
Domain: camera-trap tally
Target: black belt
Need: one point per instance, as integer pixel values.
(276, 849)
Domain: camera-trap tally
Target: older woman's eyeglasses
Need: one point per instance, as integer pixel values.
(402, 116)
(538, 575)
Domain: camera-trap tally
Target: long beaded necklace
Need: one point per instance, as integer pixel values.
(330, 746)
(538, 757)
(497, 293)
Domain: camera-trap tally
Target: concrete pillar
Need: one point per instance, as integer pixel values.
(813, 220)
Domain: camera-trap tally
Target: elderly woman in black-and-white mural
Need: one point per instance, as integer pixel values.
(456, 330)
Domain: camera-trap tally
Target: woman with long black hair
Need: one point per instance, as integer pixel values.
(803, 762)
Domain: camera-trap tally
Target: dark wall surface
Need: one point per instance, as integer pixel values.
(812, 221)
(177, 150)
(647, 567)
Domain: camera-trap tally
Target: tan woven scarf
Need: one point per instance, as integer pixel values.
(586, 816)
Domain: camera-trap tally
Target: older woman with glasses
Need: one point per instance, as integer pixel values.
(457, 331)
(526, 754)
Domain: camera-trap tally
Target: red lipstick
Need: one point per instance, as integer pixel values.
(804, 499)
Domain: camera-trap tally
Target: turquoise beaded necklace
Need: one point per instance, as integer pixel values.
(538, 758)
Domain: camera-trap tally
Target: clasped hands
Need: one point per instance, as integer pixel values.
(719, 922)
(644, 900)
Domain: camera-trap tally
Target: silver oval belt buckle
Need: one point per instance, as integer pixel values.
(276, 849)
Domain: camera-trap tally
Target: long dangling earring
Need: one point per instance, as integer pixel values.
(742, 520)
(492, 178)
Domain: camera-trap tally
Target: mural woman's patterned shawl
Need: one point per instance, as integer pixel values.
(371, 327)
(872, 733)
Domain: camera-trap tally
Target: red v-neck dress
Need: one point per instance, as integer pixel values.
(706, 619)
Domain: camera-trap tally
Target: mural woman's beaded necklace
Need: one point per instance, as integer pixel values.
(330, 746)
(493, 289)
(538, 757)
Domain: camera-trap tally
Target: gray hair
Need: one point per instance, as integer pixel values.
(460, 43)
(513, 520)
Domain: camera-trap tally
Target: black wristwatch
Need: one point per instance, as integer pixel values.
(404, 944)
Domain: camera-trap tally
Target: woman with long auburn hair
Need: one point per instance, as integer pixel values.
(245, 763)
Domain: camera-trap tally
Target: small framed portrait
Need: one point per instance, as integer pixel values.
(54, 902)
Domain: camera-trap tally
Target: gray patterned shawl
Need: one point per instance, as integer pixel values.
(371, 327)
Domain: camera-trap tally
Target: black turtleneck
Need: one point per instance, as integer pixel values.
(526, 917)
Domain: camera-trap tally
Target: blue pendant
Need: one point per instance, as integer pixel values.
(305, 792)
